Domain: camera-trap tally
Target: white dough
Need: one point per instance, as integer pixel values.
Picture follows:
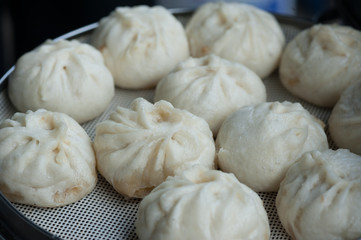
(138, 148)
(320, 62)
(46, 159)
(237, 32)
(140, 44)
(211, 87)
(258, 143)
(345, 120)
(320, 197)
(64, 76)
(204, 205)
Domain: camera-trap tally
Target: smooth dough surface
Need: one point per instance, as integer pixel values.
(237, 32)
(320, 197)
(345, 119)
(202, 204)
(320, 62)
(63, 76)
(258, 143)
(46, 159)
(140, 44)
(138, 148)
(211, 87)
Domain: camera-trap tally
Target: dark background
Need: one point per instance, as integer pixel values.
(26, 24)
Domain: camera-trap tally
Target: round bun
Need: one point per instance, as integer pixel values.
(237, 32)
(320, 197)
(211, 87)
(320, 62)
(345, 120)
(46, 159)
(258, 143)
(140, 45)
(138, 148)
(64, 76)
(202, 204)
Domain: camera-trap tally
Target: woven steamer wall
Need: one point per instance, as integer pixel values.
(104, 213)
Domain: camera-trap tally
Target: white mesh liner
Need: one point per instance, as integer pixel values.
(104, 213)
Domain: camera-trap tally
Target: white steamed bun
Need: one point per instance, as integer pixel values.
(204, 205)
(138, 148)
(320, 62)
(46, 159)
(211, 87)
(258, 143)
(345, 119)
(64, 76)
(237, 32)
(140, 44)
(320, 196)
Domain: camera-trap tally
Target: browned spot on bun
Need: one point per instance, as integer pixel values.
(211, 70)
(61, 197)
(101, 48)
(293, 81)
(205, 50)
(298, 220)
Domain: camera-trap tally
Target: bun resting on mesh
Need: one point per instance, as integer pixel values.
(320, 196)
(259, 142)
(46, 159)
(320, 62)
(345, 119)
(138, 148)
(211, 87)
(237, 32)
(63, 76)
(202, 204)
(140, 44)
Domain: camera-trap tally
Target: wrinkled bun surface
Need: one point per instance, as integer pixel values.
(202, 204)
(320, 62)
(140, 44)
(320, 197)
(237, 32)
(64, 76)
(345, 119)
(138, 148)
(46, 159)
(211, 87)
(258, 143)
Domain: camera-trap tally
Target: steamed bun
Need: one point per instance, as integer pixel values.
(138, 148)
(46, 159)
(211, 87)
(320, 196)
(202, 204)
(258, 143)
(64, 76)
(345, 119)
(320, 62)
(237, 32)
(140, 44)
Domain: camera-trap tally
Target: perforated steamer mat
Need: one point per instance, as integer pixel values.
(104, 213)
